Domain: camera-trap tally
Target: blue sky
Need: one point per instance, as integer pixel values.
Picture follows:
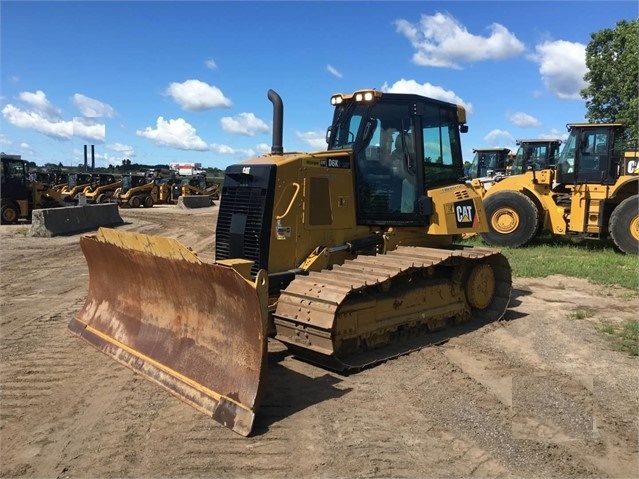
(166, 81)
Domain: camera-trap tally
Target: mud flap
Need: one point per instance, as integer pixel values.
(196, 329)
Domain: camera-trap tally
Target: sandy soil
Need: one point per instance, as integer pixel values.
(538, 394)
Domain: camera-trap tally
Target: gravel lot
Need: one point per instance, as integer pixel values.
(538, 394)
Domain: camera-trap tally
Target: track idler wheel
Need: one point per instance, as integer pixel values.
(480, 286)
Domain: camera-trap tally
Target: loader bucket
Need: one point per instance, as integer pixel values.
(197, 329)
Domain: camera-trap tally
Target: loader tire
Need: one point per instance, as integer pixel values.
(513, 219)
(10, 214)
(624, 225)
(148, 202)
(135, 202)
(100, 199)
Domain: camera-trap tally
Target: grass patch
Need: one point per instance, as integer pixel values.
(624, 337)
(579, 314)
(596, 261)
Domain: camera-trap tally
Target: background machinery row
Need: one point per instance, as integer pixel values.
(24, 191)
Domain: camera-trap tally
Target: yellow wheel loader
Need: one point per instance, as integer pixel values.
(20, 195)
(346, 256)
(588, 192)
(491, 165)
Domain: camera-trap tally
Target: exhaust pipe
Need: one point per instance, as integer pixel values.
(277, 147)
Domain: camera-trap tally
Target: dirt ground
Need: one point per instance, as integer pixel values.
(539, 394)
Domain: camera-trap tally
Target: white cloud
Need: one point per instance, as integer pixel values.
(499, 137)
(523, 120)
(35, 120)
(39, 102)
(316, 139)
(333, 71)
(92, 108)
(262, 148)
(4, 140)
(126, 150)
(89, 129)
(562, 66)
(26, 148)
(240, 153)
(174, 134)
(244, 124)
(554, 134)
(210, 64)
(427, 90)
(222, 149)
(195, 95)
(441, 41)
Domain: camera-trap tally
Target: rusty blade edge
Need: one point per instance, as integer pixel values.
(222, 409)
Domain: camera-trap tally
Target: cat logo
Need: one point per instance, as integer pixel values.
(465, 214)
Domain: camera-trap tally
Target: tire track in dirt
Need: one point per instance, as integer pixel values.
(553, 406)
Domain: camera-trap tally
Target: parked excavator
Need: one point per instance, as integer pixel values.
(20, 195)
(588, 192)
(345, 256)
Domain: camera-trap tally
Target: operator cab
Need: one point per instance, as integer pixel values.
(592, 154)
(489, 162)
(14, 178)
(402, 146)
(535, 155)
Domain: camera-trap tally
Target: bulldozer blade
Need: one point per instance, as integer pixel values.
(197, 329)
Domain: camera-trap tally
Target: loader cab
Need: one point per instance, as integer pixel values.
(535, 155)
(105, 179)
(489, 162)
(14, 178)
(592, 154)
(132, 181)
(78, 179)
(402, 146)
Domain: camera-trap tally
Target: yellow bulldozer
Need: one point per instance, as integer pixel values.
(345, 256)
(590, 191)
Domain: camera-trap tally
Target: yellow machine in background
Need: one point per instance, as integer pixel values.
(138, 190)
(76, 183)
(489, 163)
(589, 192)
(102, 188)
(535, 154)
(20, 195)
(344, 255)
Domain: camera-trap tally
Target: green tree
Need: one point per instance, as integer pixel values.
(612, 58)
